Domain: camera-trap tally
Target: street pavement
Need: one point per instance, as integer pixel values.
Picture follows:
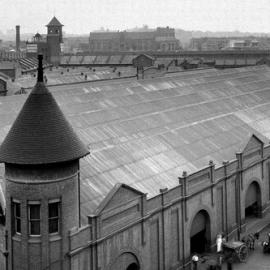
(257, 260)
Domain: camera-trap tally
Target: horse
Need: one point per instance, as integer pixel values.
(250, 239)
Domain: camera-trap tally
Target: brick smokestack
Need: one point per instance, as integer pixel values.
(18, 38)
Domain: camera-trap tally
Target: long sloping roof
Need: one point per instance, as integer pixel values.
(41, 133)
(145, 133)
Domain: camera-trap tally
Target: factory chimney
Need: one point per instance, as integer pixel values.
(18, 38)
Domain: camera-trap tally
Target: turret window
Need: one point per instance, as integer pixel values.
(34, 218)
(54, 214)
(2, 216)
(17, 216)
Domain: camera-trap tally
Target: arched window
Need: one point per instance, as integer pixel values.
(126, 261)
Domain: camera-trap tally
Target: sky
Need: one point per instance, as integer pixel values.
(83, 16)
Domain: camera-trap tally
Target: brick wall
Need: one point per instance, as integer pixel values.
(3, 88)
(42, 183)
(2, 248)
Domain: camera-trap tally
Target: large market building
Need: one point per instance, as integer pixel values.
(173, 161)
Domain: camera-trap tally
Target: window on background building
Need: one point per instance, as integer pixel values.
(34, 218)
(54, 216)
(17, 216)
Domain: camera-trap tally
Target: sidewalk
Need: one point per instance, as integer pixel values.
(257, 224)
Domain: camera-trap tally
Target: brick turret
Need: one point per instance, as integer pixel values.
(41, 154)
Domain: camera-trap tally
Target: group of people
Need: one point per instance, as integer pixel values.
(215, 264)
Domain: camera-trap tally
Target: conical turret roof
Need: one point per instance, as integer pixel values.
(54, 22)
(41, 133)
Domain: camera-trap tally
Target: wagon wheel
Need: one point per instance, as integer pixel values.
(243, 253)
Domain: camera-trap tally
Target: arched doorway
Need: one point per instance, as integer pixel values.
(133, 266)
(253, 201)
(200, 235)
(126, 261)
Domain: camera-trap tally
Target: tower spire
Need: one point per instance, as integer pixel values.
(40, 69)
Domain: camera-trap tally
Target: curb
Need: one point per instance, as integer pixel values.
(262, 227)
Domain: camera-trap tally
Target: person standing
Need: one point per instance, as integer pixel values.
(219, 242)
(230, 264)
(195, 259)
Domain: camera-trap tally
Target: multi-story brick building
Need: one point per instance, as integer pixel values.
(209, 43)
(243, 44)
(144, 136)
(228, 43)
(161, 39)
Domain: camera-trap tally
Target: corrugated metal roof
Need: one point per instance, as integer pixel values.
(145, 133)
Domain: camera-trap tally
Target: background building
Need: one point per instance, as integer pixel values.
(208, 43)
(161, 39)
(243, 44)
(229, 43)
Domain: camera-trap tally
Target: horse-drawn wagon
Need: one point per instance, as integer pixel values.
(235, 249)
(232, 251)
